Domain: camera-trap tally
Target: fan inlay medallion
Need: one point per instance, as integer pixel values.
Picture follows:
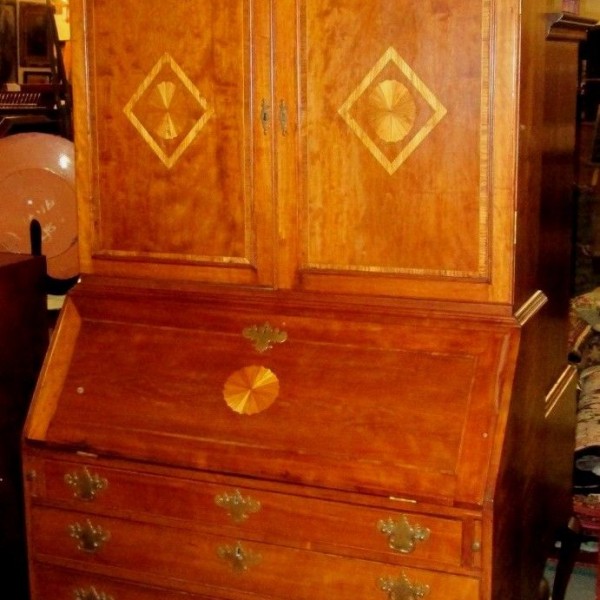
(382, 112)
(251, 390)
(168, 111)
(393, 110)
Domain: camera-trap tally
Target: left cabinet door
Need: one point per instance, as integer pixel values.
(174, 139)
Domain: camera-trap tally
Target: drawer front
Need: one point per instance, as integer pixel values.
(178, 558)
(256, 514)
(52, 583)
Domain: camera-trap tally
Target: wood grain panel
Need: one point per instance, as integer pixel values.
(363, 209)
(198, 566)
(351, 393)
(335, 527)
(177, 143)
(49, 582)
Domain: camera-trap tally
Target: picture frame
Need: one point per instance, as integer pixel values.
(37, 77)
(8, 43)
(34, 35)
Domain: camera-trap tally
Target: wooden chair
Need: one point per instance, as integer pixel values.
(585, 522)
(585, 517)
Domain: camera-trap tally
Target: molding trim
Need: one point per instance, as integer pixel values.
(531, 307)
(568, 27)
(567, 380)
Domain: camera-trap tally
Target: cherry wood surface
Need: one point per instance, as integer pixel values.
(191, 503)
(213, 207)
(197, 562)
(60, 583)
(373, 403)
(385, 183)
(321, 574)
(325, 201)
(365, 396)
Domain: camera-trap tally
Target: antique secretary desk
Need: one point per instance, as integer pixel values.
(319, 346)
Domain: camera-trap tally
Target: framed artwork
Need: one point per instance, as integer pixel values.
(37, 77)
(8, 43)
(34, 35)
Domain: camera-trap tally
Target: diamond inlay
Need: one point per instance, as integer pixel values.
(389, 111)
(167, 110)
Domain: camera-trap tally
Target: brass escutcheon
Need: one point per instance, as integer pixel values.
(402, 589)
(402, 536)
(90, 594)
(238, 507)
(239, 559)
(265, 115)
(85, 485)
(264, 336)
(89, 538)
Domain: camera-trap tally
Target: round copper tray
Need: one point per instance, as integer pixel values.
(37, 181)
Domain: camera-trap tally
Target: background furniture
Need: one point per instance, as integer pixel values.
(583, 525)
(584, 522)
(24, 336)
(44, 106)
(319, 348)
(586, 263)
(34, 108)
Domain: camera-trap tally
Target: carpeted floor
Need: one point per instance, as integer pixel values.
(582, 585)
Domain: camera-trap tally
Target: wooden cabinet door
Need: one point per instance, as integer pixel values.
(383, 132)
(403, 157)
(174, 166)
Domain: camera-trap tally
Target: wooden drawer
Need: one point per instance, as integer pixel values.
(178, 558)
(271, 517)
(51, 583)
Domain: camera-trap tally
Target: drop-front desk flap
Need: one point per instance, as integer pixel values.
(367, 400)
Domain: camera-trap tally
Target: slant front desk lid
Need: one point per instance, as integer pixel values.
(371, 400)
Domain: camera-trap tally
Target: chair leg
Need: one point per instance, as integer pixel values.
(570, 543)
(598, 577)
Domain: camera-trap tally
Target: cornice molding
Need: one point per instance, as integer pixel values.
(568, 27)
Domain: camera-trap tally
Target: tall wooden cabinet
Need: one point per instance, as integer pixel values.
(314, 353)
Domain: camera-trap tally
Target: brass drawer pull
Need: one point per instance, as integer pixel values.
(402, 589)
(90, 594)
(89, 538)
(236, 506)
(264, 336)
(402, 536)
(239, 559)
(85, 485)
